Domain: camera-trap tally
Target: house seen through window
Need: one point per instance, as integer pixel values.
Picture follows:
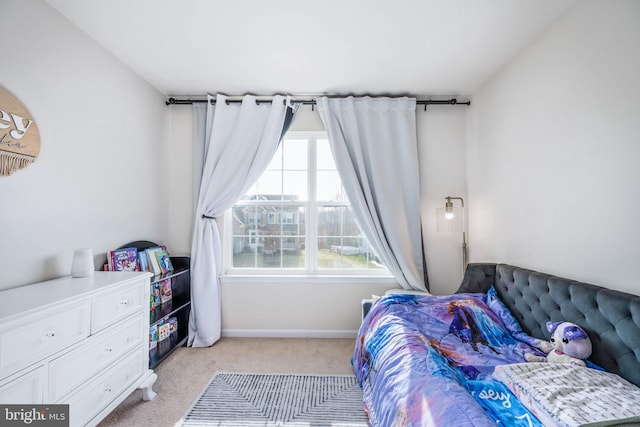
(296, 217)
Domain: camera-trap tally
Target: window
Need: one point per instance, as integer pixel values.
(296, 217)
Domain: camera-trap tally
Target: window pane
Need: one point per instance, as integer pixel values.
(276, 161)
(268, 237)
(371, 258)
(351, 253)
(294, 154)
(244, 252)
(337, 221)
(246, 218)
(246, 224)
(325, 157)
(294, 185)
(329, 187)
(340, 242)
(268, 186)
(328, 255)
(293, 255)
(329, 222)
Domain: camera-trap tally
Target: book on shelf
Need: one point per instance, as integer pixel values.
(173, 325)
(153, 336)
(165, 291)
(156, 299)
(154, 267)
(125, 259)
(164, 329)
(164, 262)
(143, 260)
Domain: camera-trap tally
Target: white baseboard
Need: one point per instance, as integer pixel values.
(288, 333)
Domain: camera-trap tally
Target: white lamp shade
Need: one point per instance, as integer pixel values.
(445, 224)
(82, 264)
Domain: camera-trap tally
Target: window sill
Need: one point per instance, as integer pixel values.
(308, 278)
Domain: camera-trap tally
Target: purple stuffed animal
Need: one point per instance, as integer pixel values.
(570, 342)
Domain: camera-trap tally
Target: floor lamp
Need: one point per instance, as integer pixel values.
(451, 219)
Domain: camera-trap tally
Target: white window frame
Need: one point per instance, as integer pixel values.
(311, 226)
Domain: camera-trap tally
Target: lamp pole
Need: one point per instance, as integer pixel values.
(449, 215)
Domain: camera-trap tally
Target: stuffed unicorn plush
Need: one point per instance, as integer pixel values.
(570, 342)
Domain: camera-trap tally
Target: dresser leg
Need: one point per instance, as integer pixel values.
(146, 384)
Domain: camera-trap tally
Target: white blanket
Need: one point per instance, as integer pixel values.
(568, 395)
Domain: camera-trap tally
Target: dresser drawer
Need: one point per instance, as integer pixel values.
(71, 369)
(108, 308)
(24, 388)
(88, 401)
(38, 336)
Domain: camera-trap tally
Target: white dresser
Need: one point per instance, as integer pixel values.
(77, 341)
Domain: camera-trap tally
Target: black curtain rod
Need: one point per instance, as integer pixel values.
(425, 102)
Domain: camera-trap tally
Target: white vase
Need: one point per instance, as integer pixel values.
(82, 264)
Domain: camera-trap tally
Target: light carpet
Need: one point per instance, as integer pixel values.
(240, 399)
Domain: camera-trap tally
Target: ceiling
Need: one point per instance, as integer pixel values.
(305, 47)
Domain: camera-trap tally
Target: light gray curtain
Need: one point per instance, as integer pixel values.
(375, 147)
(201, 132)
(237, 144)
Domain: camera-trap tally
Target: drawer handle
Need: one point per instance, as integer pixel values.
(124, 302)
(107, 390)
(108, 349)
(50, 334)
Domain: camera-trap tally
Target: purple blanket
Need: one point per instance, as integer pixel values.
(428, 360)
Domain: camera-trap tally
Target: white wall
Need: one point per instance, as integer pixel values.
(180, 185)
(317, 307)
(553, 151)
(441, 136)
(99, 179)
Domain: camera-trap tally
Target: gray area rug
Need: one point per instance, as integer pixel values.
(238, 399)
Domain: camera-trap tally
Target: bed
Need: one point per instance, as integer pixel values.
(425, 360)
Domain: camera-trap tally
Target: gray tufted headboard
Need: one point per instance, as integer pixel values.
(611, 318)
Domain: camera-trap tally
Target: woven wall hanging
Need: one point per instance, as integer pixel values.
(19, 135)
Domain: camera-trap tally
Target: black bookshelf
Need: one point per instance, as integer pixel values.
(179, 306)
